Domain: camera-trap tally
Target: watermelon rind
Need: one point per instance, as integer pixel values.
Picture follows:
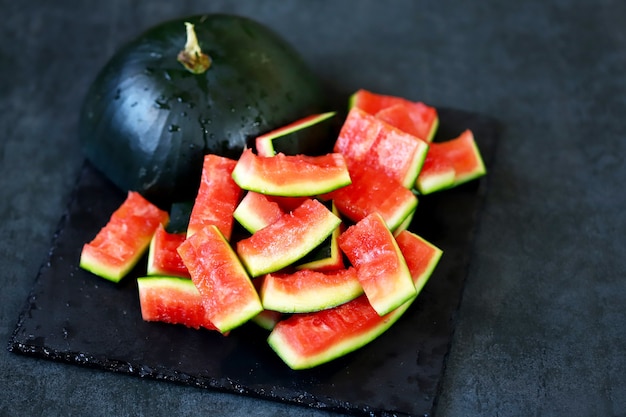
(386, 286)
(122, 242)
(327, 256)
(226, 289)
(267, 319)
(281, 342)
(152, 267)
(404, 225)
(256, 211)
(310, 290)
(479, 168)
(283, 247)
(265, 143)
(299, 179)
(428, 184)
(172, 300)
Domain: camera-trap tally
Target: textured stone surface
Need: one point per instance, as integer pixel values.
(542, 325)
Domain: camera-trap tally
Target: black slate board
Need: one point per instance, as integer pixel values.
(74, 317)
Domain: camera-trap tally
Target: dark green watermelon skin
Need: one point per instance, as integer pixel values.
(146, 121)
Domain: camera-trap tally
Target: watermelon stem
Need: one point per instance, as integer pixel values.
(192, 57)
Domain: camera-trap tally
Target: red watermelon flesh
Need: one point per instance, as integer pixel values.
(374, 192)
(287, 204)
(291, 175)
(172, 300)
(217, 198)
(380, 265)
(424, 119)
(420, 255)
(288, 239)
(307, 340)
(415, 118)
(437, 173)
(464, 155)
(306, 290)
(357, 135)
(397, 154)
(227, 292)
(256, 211)
(367, 140)
(119, 245)
(163, 258)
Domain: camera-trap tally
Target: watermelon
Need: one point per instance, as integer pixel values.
(374, 192)
(306, 290)
(291, 175)
(217, 198)
(227, 293)
(287, 204)
(380, 265)
(437, 172)
(327, 256)
(413, 117)
(464, 155)
(256, 211)
(307, 340)
(266, 319)
(397, 154)
(451, 163)
(163, 258)
(288, 239)
(280, 139)
(172, 300)
(367, 140)
(357, 135)
(119, 245)
(420, 255)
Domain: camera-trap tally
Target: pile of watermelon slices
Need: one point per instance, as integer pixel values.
(325, 262)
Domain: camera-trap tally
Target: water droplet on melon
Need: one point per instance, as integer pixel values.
(161, 105)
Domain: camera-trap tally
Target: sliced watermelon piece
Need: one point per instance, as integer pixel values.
(287, 204)
(424, 118)
(307, 340)
(367, 140)
(119, 245)
(374, 192)
(217, 198)
(437, 173)
(357, 135)
(397, 154)
(421, 257)
(451, 163)
(405, 223)
(306, 290)
(267, 144)
(267, 319)
(172, 300)
(464, 155)
(227, 292)
(163, 258)
(380, 265)
(288, 239)
(291, 175)
(256, 211)
(327, 256)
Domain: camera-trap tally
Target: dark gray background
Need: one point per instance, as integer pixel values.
(542, 325)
